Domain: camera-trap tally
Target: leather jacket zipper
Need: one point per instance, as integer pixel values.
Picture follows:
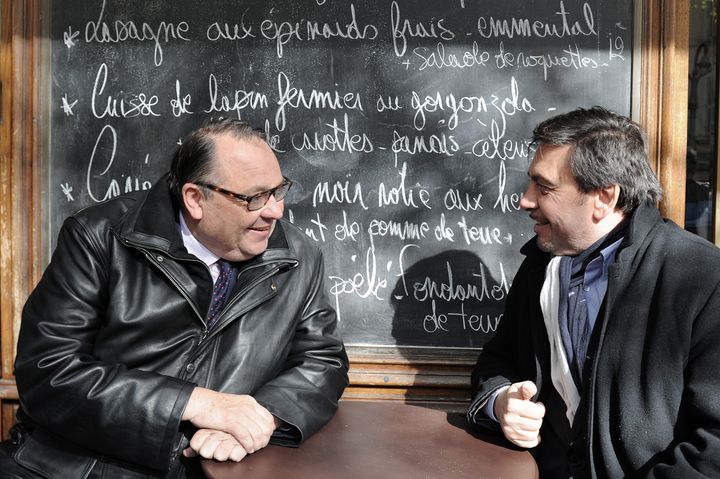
(158, 258)
(220, 325)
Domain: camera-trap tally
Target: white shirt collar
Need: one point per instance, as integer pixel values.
(195, 247)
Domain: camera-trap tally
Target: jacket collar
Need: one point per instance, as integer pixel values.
(152, 224)
(642, 221)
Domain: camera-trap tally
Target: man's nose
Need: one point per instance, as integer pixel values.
(529, 198)
(273, 208)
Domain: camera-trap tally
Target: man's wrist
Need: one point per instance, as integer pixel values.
(489, 408)
(199, 400)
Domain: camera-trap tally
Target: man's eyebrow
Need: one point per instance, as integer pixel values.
(259, 189)
(538, 178)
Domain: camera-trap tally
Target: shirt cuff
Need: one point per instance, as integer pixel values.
(489, 408)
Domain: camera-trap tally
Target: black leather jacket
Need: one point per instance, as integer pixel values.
(113, 341)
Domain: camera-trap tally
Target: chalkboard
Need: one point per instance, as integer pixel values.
(404, 125)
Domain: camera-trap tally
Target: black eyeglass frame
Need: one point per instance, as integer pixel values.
(287, 183)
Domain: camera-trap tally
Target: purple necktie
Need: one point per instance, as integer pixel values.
(222, 289)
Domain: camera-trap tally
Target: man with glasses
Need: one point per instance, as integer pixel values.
(185, 321)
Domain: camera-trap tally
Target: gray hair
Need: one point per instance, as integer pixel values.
(608, 149)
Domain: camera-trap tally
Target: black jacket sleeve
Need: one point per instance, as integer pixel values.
(305, 394)
(130, 414)
(507, 358)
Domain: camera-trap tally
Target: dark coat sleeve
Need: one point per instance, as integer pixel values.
(508, 357)
(65, 389)
(305, 395)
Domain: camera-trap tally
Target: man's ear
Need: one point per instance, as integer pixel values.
(606, 200)
(193, 200)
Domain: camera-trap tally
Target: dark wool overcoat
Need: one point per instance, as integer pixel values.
(650, 402)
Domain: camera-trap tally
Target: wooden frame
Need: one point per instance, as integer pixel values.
(436, 377)
(663, 96)
(24, 56)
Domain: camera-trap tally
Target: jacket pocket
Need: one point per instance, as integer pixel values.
(51, 461)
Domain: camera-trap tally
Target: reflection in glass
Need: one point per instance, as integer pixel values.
(702, 118)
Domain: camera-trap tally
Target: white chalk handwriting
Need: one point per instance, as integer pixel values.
(113, 186)
(119, 31)
(525, 27)
(402, 30)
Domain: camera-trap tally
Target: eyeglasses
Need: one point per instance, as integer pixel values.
(254, 202)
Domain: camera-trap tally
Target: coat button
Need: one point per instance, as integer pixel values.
(160, 259)
(190, 368)
(273, 287)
